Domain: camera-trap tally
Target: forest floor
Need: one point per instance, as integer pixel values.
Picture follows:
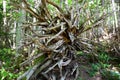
(103, 67)
(96, 71)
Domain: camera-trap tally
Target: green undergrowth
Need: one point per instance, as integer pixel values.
(8, 67)
(104, 64)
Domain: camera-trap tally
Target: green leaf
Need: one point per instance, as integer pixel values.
(4, 73)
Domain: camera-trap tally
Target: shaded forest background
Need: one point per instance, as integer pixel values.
(60, 40)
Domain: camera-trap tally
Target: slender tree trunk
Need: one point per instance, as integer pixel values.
(6, 29)
(4, 12)
(14, 35)
(115, 15)
(19, 31)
